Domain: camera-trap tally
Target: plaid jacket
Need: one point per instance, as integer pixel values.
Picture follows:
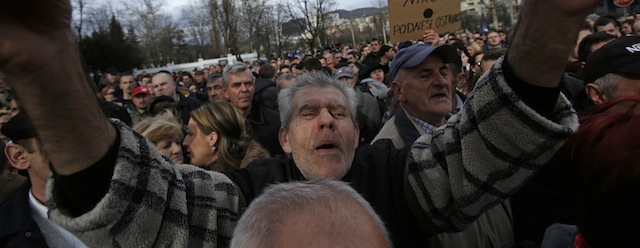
(154, 203)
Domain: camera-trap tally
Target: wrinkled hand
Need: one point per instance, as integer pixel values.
(32, 32)
(431, 37)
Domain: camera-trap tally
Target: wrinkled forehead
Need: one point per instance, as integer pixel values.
(319, 96)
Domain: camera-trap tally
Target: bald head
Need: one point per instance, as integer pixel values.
(163, 85)
(310, 214)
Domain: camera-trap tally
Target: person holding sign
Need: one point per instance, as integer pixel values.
(440, 183)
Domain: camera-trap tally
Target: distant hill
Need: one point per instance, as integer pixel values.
(346, 14)
(294, 27)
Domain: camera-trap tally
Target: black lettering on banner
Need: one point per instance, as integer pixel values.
(445, 20)
(412, 2)
(410, 27)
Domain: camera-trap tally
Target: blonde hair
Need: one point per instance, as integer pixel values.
(158, 130)
(233, 142)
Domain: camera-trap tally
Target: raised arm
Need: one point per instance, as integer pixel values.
(511, 125)
(39, 55)
(114, 188)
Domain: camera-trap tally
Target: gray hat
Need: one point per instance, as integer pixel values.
(345, 71)
(592, 17)
(413, 55)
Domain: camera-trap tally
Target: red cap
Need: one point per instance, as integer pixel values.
(140, 90)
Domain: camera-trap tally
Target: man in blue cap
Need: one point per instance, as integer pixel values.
(441, 183)
(423, 85)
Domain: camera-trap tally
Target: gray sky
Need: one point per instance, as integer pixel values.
(340, 4)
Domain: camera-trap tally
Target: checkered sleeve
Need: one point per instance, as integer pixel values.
(482, 155)
(154, 203)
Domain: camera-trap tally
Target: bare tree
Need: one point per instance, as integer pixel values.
(227, 19)
(311, 16)
(155, 30)
(79, 10)
(254, 24)
(196, 21)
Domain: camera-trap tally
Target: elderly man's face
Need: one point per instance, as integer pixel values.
(321, 135)
(425, 90)
(240, 90)
(215, 90)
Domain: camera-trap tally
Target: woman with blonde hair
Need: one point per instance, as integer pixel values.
(216, 138)
(165, 134)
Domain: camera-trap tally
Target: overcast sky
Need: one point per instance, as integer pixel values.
(340, 4)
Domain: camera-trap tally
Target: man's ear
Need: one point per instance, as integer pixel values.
(397, 91)
(594, 92)
(17, 156)
(224, 92)
(284, 140)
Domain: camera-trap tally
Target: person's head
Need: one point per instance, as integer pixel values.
(377, 72)
(352, 57)
(311, 65)
(141, 98)
(603, 157)
(162, 105)
(200, 76)
(25, 152)
(328, 58)
(127, 83)
(216, 137)
(585, 30)
(592, 42)
(347, 75)
(422, 81)
(284, 80)
(111, 76)
(285, 69)
(239, 86)
(388, 52)
(318, 125)
(186, 78)
(366, 50)
(612, 70)
(215, 90)
(490, 57)
(493, 38)
(163, 84)
(145, 80)
(310, 214)
(627, 27)
(607, 24)
(374, 44)
(473, 48)
(591, 19)
(166, 135)
(636, 28)
(108, 93)
(267, 72)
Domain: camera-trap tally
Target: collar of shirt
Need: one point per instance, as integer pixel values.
(428, 128)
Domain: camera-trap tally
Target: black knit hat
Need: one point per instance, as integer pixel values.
(19, 127)
(621, 55)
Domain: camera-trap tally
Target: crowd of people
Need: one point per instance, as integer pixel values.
(452, 140)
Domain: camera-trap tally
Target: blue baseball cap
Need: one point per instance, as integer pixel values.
(413, 55)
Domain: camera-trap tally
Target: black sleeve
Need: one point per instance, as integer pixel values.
(540, 99)
(80, 192)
